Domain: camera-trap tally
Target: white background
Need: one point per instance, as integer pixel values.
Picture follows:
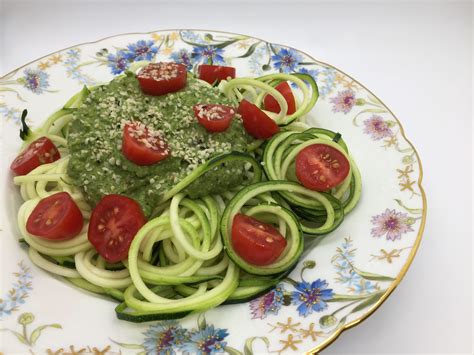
(416, 56)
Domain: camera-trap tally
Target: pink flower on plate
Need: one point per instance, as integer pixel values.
(392, 224)
(344, 101)
(268, 303)
(377, 128)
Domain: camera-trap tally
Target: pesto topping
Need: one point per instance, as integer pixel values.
(95, 141)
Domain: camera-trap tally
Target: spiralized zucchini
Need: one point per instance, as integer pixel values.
(257, 88)
(182, 259)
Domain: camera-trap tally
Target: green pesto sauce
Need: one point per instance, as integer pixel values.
(95, 139)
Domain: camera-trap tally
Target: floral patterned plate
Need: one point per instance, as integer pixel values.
(341, 279)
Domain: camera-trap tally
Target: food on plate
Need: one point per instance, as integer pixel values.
(55, 217)
(256, 122)
(270, 104)
(215, 73)
(39, 152)
(173, 193)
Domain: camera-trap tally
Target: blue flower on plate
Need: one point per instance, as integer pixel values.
(286, 60)
(164, 337)
(73, 53)
(255, 60)
(24, 276)
(208, 55)
(17, 298)
(5, 308)
(329, 81)
(70, 61)
(348, 278)
(141, 50)
(364, 286)
(118, 62)
(10, 113)
(312, 72)
(192, 37)
(183, 57)
(23, 287)
(35, 80)
(311, 297)
(343, 265)
(209, 340)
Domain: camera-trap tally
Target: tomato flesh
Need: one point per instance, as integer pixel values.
(214, 118)
(321, 167)
(256, 122)
(55, 218)
(114, 223)
(271, 104)
(143, 146)
(40, 151)
(215, 73)
(162, 78)
(256, 242)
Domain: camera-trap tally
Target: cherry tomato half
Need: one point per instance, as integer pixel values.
(142, 145)
(55, 217)
(215, 73)
(321, 167)
(270, 104)
(256, 242)
(114, 223)
(256, 122)
(40, 151)
(214, 118)
(162, 78)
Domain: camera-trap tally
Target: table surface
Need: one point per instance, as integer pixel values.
(416, 56)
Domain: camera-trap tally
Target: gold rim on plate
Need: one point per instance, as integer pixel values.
(405, 267)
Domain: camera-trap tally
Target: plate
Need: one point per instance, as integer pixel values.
(358, 265)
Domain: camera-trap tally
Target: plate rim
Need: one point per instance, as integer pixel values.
(328, 341)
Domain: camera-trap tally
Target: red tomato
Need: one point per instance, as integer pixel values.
(270, 104)
(256, 242)
(214, 118)
(40, 151)
(256, 122)
(321, 167)
(55, 217)
(162, 78)
(215, 73)
(114, 223)
(142, 145)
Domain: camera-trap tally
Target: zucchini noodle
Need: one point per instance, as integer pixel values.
(182, 259)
